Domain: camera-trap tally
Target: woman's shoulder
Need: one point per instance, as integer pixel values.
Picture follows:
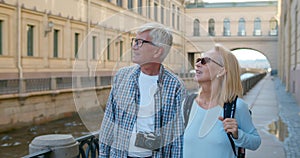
(241, 101)
(241, 104)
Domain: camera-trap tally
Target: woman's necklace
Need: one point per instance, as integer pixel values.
(203, 103)
(212, 112)
(209, 120)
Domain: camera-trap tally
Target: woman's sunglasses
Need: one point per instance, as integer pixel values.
(205, 60)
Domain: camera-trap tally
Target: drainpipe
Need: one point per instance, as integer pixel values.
(185, 53)
(89, 38)
(288, 77)
(20, 69)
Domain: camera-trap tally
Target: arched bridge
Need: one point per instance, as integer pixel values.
(267, 45)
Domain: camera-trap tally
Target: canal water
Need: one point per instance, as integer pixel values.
(246, 75)
(14, 144)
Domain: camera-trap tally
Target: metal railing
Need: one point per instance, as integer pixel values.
(88, 148)
(250, 82)
(19, 86)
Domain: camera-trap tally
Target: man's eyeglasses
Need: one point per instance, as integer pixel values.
(140, 42)
(205, 60)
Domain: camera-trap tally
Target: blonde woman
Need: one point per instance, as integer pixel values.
(218, 74)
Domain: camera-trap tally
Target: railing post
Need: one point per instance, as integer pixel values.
(53, 83)
(78, 82)
(22, 86)
(98, 81)
(61, 145)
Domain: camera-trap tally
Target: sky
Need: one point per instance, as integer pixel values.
(247, 54)
(213, 1)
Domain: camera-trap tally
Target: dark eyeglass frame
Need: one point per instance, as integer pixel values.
(205, 60)
(140, 44)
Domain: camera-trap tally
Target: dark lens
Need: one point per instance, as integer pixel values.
(204, 60)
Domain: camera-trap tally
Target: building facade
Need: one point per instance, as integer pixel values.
(289, 56)
(250, 25)
(42, 39)
(53, 39)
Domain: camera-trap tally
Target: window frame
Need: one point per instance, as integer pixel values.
(196, 27)
(30, 40)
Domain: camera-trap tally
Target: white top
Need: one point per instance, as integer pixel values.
(205, 136)
(145, 119)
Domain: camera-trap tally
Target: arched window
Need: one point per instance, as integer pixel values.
(196, 27)
(211, 27)
(242, 25)
(226, 27)
(257, 27)
(273, 27)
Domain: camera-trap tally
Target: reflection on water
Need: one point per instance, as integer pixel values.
(279, 129)
(246, 75)
(15, 143)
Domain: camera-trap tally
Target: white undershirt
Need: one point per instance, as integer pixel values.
(145, 119)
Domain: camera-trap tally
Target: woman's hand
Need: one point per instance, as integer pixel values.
(230, 126)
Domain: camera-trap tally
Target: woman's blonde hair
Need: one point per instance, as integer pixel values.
(231, 85)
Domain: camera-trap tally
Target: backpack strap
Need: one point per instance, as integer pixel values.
(229, 111)
(187, 107)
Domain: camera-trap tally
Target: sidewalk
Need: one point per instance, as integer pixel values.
(274, 111)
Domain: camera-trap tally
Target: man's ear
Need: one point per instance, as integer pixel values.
(159, 52)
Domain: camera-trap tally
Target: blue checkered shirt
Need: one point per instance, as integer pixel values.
(121, 114)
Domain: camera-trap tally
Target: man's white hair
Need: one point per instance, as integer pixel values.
(160, 34)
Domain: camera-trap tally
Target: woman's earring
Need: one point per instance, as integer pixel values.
(218, 75)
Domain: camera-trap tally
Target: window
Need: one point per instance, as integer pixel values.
(173, 15)
(55, 43)
(162, 16)
(155, 12)
(76, 45)
(140, 9)
(168, 16)
(129, 4)
(226, 27)
(94, 47)
(149, 9)
(121, 50)
(178, 17)
(30, 31)
(273, 27)
(211, 27)
(191, 59)
(1, 41)
(257, 27)
(242, 30)
(196, 27)
(108, 49)
(119, 3)
(296, 41)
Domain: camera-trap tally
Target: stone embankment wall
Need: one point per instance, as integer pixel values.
(40, 107)
(36, 108)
